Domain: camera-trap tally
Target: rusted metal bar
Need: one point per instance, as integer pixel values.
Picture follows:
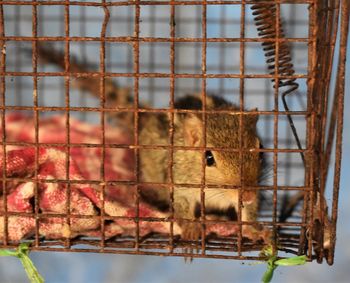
(302, 232)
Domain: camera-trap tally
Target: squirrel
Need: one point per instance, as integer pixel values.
(222, 167)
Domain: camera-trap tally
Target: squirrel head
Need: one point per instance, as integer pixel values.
(224, 165)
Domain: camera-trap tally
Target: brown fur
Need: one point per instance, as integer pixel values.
(222, 130)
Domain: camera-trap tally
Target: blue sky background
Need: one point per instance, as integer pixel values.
(86, 267)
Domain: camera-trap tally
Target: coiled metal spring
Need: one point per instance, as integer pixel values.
(269, 26)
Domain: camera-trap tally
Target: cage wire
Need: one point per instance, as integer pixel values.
(63, 66)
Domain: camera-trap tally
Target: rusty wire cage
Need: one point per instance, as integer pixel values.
(284, 58)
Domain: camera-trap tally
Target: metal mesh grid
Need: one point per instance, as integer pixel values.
(161, 51)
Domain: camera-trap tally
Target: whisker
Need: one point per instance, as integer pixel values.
(214, 195)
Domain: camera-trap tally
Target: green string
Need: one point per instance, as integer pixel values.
(273, 263)
(22, 253)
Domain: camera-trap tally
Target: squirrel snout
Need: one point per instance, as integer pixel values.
(249, 196)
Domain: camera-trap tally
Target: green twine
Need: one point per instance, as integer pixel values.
(273, 262)
(22, 253)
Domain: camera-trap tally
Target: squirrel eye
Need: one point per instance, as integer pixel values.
(210, 158)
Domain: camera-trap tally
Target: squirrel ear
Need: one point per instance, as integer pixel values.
(193, 132)
(252, 119)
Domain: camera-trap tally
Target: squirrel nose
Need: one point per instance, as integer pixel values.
(248, 196)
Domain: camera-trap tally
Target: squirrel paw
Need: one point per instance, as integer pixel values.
(191, 233)
(257, 234)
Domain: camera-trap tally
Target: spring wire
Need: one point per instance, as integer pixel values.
(265, 20)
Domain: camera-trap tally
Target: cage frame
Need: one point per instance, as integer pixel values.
(320, 151)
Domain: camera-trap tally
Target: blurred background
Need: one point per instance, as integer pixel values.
(222, 58)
